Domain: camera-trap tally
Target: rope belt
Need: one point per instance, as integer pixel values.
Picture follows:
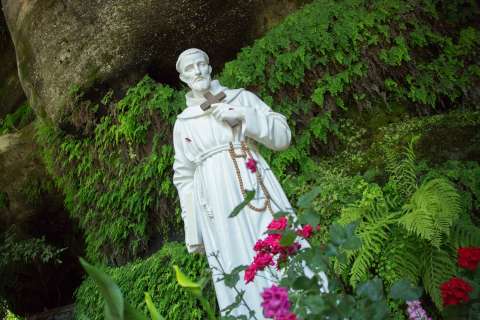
(245, 152)
(213, 151)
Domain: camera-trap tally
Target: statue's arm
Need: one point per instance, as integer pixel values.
(183, 181)
(264, 125)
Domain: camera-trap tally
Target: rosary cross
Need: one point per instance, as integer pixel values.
(211, 99)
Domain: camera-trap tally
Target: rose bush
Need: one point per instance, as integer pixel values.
(460, 295)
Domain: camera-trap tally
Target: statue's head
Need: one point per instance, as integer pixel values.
(194, 69)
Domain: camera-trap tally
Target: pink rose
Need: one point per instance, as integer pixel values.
(262, 260)
(250, 273)
(306, 231)
(276, 304)
(278, 224)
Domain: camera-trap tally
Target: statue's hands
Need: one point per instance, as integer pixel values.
(226, 112)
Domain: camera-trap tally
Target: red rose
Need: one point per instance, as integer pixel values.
(455, 291)
(250, 273)
(278, 224)
(262, 260)
(468, 258)
(306, 231)
(260, 245)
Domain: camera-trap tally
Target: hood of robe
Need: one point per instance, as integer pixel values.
(193, 109)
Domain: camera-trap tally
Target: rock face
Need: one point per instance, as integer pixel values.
(19, 163)
(11, 92)
(92, 44)
(31, 204)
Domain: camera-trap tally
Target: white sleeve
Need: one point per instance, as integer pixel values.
(265, 126)
(183, 181)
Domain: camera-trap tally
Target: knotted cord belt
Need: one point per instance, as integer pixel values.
(245, 152)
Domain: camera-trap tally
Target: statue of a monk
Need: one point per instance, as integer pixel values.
(216, 163)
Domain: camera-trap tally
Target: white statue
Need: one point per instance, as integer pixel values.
(215, 164)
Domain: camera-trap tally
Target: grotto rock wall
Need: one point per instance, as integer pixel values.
(62, 45)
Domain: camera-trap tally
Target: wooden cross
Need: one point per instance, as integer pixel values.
(211, 99)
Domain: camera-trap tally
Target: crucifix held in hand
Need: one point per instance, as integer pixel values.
(211, 99)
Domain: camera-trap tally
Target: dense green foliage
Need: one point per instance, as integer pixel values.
(402, 221)
(117, 182)
(399, 202)
(14, 250)
(154, 275)
(335, 57)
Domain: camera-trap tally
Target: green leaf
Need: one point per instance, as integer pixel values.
(305, 201)
(232, 278)
(331, 250)
(154, 314)
(350, 229)
(316, 260)
(372, 289)
(304, 283)
(337, 234)
(288, 238)
(248, 197)
(352, 243)
(309, 216)
(114, 304)
(185, 282)
(280, 214)
(405, 290)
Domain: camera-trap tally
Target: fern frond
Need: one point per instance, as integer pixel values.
(464, 233)
(374, 235)
(351, 214)
(439, 266)
(401, 259)
(432, 210)
(402, 170)
(343, 269)
(372, 213)
(371, 207)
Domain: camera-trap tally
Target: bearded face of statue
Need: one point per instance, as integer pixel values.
(196, 72)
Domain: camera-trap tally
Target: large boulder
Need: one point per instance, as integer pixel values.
(93, 45)
(11, 92)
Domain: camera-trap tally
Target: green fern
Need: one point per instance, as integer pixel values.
(438, 267)
(402, 169)
(464, 233)
(374, 235)
(407, 243)
(375, 219)
(432, 210)
(400, 259)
